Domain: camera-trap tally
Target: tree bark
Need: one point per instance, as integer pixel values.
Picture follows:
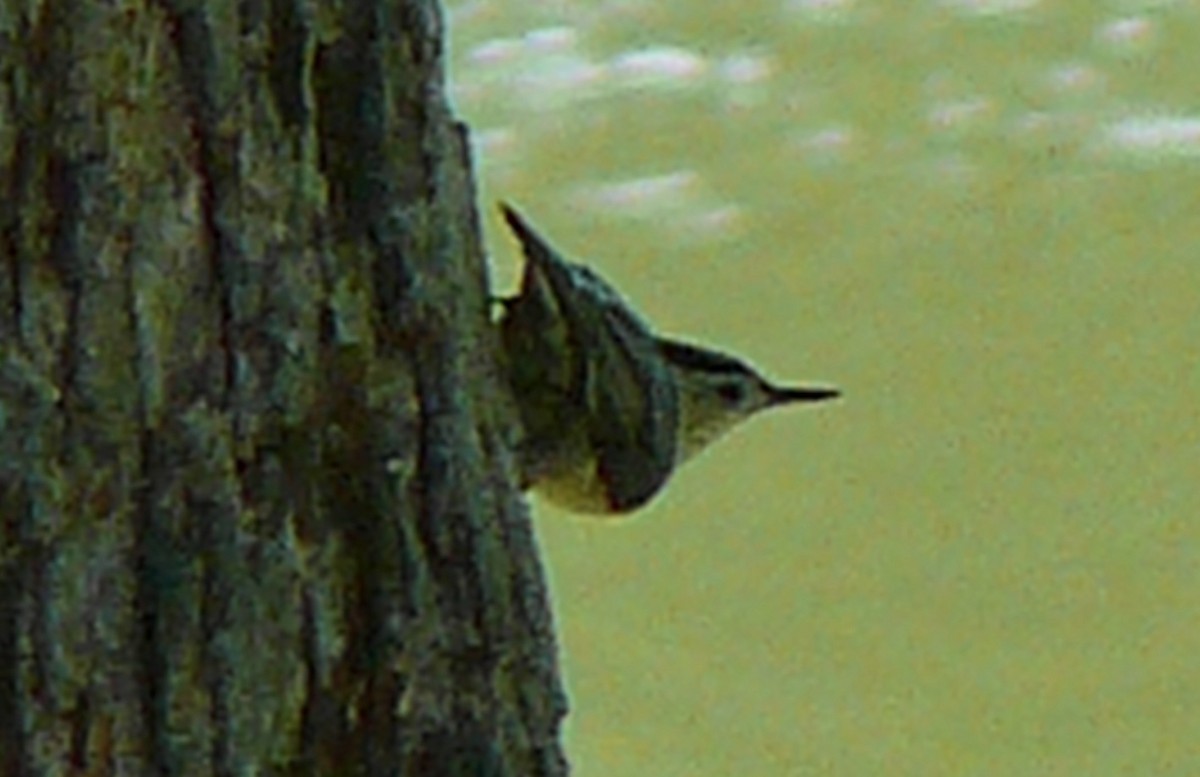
(258, 503)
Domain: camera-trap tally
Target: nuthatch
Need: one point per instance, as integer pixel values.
(609, 410)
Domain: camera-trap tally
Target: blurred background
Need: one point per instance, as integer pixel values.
(981, 219)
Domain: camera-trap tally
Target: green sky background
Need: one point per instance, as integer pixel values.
(982, 221)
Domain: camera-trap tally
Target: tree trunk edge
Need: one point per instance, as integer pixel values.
(258, 509)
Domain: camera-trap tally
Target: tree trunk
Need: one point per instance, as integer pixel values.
(258, 508)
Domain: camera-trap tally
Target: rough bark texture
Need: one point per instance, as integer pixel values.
(258, 513)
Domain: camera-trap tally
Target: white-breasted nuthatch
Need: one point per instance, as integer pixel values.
(609, 409)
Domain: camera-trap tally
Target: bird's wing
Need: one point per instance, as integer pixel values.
(618, 375)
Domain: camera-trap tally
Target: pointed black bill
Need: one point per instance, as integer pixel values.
(783, 395)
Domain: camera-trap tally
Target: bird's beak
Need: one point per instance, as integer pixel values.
(783, 395)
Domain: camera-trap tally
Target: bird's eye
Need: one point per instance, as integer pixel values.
(731, 392)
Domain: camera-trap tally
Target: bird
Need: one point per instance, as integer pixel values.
(608, 409)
